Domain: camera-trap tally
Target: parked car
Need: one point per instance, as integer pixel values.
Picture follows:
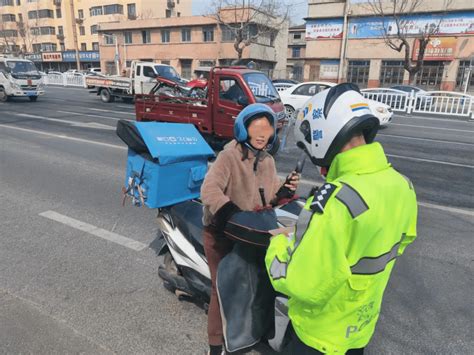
(285, 81)
(95, 70)
(423, 98)
(296, 96)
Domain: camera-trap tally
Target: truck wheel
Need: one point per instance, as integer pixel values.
(3, 95)
(106, 96)
(33, 98)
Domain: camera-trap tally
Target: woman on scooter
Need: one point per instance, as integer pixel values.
(243, 178)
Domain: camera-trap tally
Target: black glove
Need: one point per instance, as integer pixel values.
(223, 215)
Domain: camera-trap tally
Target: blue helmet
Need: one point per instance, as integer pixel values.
(247, 115)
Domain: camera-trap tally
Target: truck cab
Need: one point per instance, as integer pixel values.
(19, 78)
(229, 90)
(143, 75)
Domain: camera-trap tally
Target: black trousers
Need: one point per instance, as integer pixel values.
(297, 347)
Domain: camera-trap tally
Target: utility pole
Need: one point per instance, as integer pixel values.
(342, 57)
(74, 33)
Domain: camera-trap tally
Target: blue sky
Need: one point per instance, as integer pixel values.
(298, 9)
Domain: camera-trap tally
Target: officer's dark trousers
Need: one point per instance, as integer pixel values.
(297, 347)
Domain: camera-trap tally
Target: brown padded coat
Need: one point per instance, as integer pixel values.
(231, 178)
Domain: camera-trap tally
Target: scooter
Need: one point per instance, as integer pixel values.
(185, 270)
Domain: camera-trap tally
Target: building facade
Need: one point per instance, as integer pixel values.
(354, 49)
(296, 52)
(50, 30)
(187, 43)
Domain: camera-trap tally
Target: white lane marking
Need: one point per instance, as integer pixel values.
(98, 232)
(90, 115)
(101, 110)
(427, 127)
(423, 139)
(71, 123)
(430, 161)
(132, 107)
(467, 212)
(453, 120)
(62, 136)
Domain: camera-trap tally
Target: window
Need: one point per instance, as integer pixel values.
(206, 63)
(208, 34)
(8, 33)
(36, 47)
(358, 72)
(95, 46)
(46, 14)
(113, 9)
(83, 46)
(6, 2)
(430, 75)
(307, 90)
(62, 47)
(80, 14)
(131, 11)
(463, 72)
(230, 90)
(60, 30)
(96, 11)
(149, 72)
(58, 13)
(109, 39)
(297, 36)
(178, 14)
(48, 47)
(228, 35)
(94, 29)
(391, 73)
(168, 13)
(298, 73)
(35, 31)
(166, 62)
(127, 36)
(82, 31)
(32, 15)
(146, 36)
(165, 36)
(296, 52)
(8, 18)
(20, 18)
(47, 31)
(186, 68)
(186, 35)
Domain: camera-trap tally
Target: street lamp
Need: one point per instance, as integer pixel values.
(116, 59)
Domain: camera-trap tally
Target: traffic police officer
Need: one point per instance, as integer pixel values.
(335, 267)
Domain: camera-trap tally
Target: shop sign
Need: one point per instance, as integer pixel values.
(52, 57)
(324, 29)
(438, 48)
(373, 27)
(328, 69)
(35, 57)
(458, 23)
(89, 56)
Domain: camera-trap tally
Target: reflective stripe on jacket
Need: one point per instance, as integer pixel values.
(337, 265)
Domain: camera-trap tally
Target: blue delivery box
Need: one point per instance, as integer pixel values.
(166, 163)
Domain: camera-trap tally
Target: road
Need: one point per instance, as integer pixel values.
(66, 288)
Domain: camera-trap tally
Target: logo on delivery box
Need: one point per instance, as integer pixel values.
(177, 140)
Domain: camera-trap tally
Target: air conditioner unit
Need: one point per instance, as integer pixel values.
(79, 21)
(57, 2)
(171, 3)
(60, 37)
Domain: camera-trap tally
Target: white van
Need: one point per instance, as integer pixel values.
(19, 77)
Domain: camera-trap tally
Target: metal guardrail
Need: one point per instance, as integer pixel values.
(65, 79)
(447, 103)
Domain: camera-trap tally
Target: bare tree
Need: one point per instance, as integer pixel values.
(398, 32)
(249, 21)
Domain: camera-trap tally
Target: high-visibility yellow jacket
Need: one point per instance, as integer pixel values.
(336, 267)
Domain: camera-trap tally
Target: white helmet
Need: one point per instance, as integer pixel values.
(330, 119)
